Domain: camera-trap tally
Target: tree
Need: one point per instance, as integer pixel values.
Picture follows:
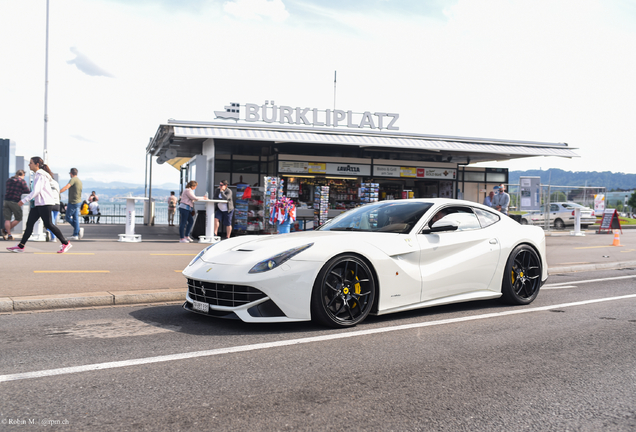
(632, 201)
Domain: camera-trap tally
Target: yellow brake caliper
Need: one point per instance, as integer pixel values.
(512, 275)
(356, 288)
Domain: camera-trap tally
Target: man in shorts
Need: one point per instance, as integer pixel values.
(16, 186)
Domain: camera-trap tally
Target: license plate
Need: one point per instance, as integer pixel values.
(200, 306)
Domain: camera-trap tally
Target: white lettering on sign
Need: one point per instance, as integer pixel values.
(396, 171)
(386, 171)
(270, 113)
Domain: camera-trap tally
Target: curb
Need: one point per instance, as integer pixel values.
(591, 267)
(79, 300)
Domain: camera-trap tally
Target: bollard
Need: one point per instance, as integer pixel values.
(617, 238)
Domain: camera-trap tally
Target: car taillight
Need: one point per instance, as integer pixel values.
(572, 212)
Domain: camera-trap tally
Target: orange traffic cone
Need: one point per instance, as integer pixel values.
(617, 238)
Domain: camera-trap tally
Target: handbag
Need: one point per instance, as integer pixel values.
(193, 212)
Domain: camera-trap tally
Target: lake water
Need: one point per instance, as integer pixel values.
(115, 213)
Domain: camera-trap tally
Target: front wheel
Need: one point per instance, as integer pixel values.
(343, 292)
(522, 276)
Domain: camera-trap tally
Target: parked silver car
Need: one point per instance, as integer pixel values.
(561, 215)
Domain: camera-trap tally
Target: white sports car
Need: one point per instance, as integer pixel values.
(383, 257)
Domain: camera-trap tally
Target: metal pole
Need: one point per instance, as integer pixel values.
(45, 155)
(334, 90)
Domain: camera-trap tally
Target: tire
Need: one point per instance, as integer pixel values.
(558, 224)
(343, 292)
(522, 276)
(523, 222)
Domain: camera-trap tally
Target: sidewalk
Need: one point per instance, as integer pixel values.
(100, 271)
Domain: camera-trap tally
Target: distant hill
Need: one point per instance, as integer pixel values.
(108, 191)
(557, 177)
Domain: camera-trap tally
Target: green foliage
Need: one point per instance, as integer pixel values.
(632, 201)
(558, 196)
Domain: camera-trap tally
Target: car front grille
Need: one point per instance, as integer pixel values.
(217, 294)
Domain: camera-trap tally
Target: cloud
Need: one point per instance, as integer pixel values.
(257, 9)
(83, 139)
(86, 65)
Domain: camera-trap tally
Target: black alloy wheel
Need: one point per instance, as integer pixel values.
(343, 293)
(522, 276)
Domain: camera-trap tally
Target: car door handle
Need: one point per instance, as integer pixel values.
(493, 241)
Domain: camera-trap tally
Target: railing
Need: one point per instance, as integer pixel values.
(115, 213)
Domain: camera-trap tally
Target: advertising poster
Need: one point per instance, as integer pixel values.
(530, 193)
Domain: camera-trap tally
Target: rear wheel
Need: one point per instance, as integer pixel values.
(343, 293)
(558, 224)
(523, 222)
(522, 277)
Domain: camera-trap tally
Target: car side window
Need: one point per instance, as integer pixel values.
(554, 207)
(463, 216)
(486, 218)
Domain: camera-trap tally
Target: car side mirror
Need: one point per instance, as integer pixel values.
(442, 225)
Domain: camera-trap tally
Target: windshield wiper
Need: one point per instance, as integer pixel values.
(345, 229)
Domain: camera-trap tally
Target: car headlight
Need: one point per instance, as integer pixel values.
(200, 254)
(277, 260)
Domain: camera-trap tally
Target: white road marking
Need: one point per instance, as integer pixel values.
(551, 287)
(548, 286)
(267, 345)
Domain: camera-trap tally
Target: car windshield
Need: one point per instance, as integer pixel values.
(384, 216)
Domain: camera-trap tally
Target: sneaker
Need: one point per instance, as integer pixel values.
(73, 238)
(65, 248)
(180, 241)
(16, 249)
(5, 234)
(81, 234)
(10, 237)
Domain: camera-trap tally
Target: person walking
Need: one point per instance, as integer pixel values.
(224, 211)
(74, 188)
(16, 187)
(172, 208)
(186, 211)
(501, 201)
(55, 208)
(43, 200)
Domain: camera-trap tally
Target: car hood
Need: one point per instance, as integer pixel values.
(246, 250)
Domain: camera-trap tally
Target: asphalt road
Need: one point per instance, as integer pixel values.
(564, 363)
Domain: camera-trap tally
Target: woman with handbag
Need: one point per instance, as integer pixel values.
(186, 211)
(43, 200)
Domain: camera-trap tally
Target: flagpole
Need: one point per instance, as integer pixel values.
(45, 155)
(334, 90)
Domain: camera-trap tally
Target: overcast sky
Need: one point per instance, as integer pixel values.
(543, 70)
